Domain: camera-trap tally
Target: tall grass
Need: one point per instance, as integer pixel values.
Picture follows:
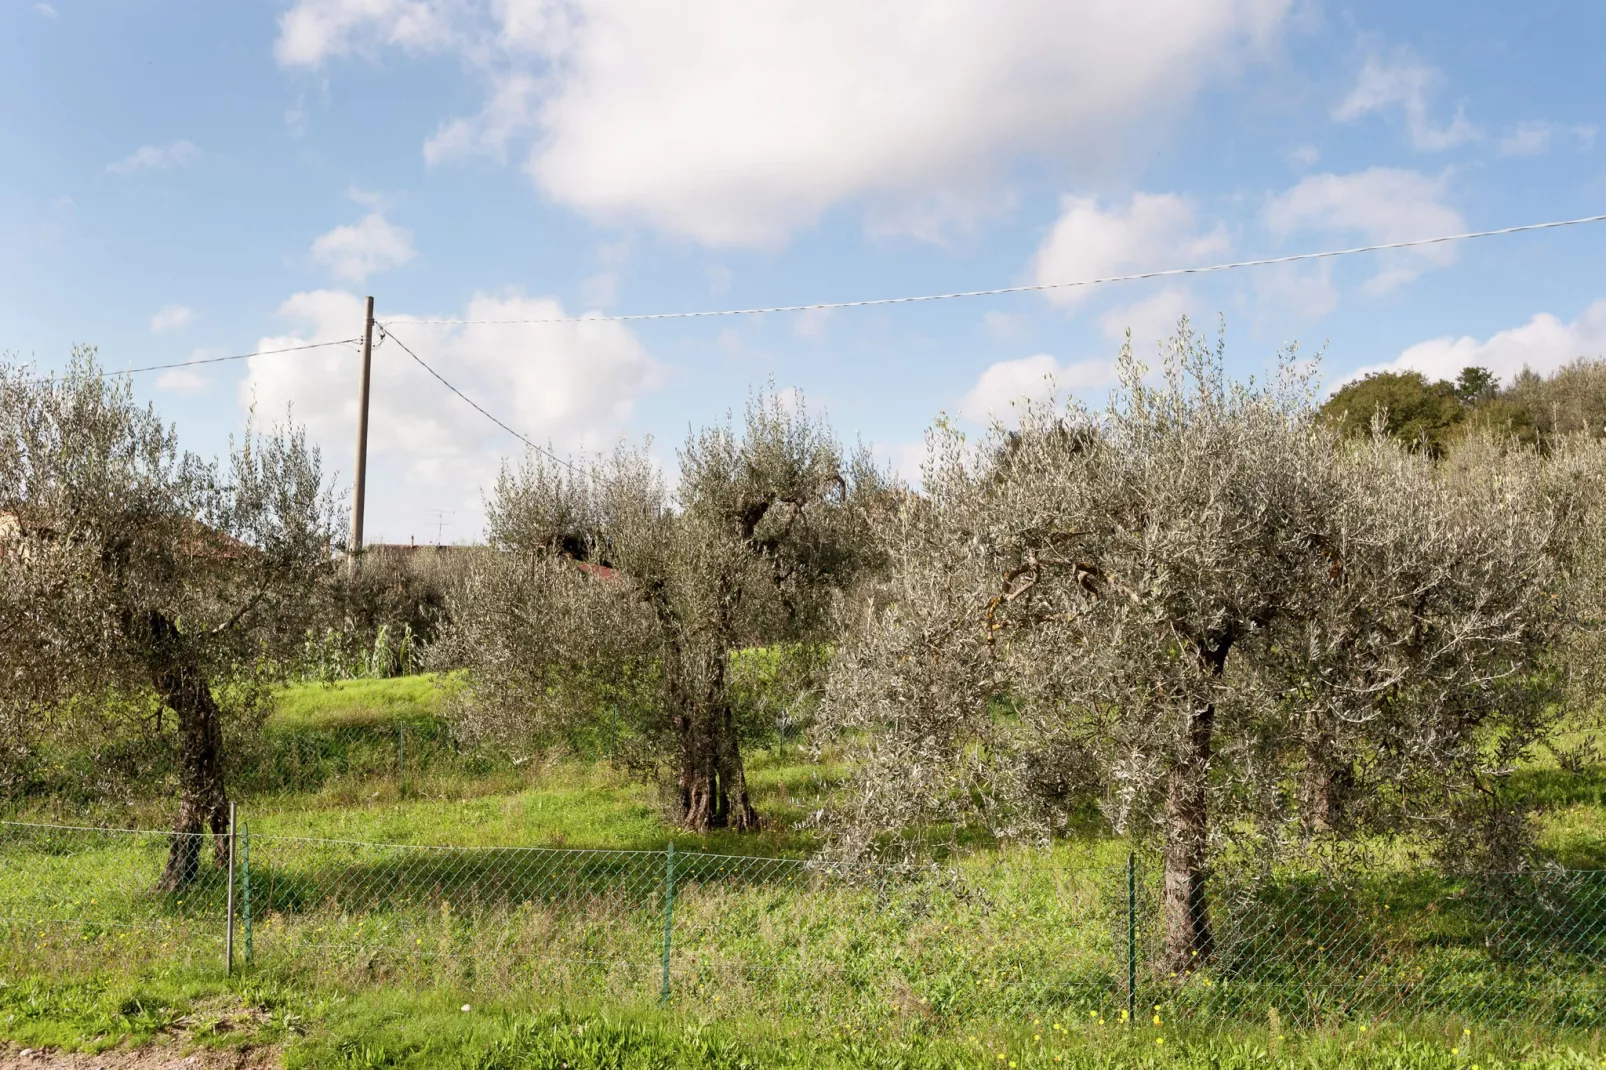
(1003, 950)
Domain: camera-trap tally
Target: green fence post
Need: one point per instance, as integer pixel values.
(228, 922)
(669, 915)
(1131, 938)
(245, 887)
(401, 759)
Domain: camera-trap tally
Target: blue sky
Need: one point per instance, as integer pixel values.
(190, 179)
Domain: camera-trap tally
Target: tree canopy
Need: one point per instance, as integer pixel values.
(131, 567)
(1204, 612)
(1432, 415)
(616, 607)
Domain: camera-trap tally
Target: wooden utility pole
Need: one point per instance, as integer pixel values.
(359, 484)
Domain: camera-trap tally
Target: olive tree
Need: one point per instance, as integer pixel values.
(1177, 604)
(614, 607)
(131, 567)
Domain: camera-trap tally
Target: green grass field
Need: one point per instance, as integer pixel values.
(393, 883)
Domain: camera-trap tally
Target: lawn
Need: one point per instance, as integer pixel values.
(395, 878)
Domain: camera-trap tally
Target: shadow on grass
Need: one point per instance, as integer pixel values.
(372, 880)
(1524, 947)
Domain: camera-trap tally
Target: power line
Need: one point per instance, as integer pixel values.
(1034, 287)
(237, 356)
(387, 333)
(217, 360)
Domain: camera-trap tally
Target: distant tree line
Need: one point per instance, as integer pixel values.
(1432, 415)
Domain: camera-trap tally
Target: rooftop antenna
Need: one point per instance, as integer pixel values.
(441, 523)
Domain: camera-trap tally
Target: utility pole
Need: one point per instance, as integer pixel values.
(360, 480)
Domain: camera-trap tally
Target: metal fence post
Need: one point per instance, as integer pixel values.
(669, 915)
(1131, 937)
(401, 758)
(245, 888)
(228, 931)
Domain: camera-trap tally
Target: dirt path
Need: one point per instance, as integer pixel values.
(153, 1057)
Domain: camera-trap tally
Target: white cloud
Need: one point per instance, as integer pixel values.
(1544, 344)
(508, 113)
(601, 290)
(318, 30)
(811, 323)
(739, 123)
(1038, 378)
(1382, 204)
(47, 10)
(1535, 138)
(1304, 291)
(295, 118)
(156, 158)
(904, 458)
(357, 250)
(574, 385)
(1528, 139)
(1150, 320)
(1405, 82)
(1153, 231)
(171, 318)
(1304, 156)
(1004, 325)
(183, 381)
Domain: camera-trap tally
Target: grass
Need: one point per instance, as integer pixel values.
(395, 1029)
(366, 951)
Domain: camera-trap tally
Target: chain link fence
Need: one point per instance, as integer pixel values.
(1006, 939)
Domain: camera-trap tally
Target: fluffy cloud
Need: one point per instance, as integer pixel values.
(171, 318)
(314, 31)
(1405, 82)
(1037, 378)
(156, 158)
(812, 323)
(906, 459)
(1535, 138)
(1151, 320)
(184, 380)
(573, 385)
(1382, 204)
(1153, 230)
(1305, 291)
(1528, 139)
(1544, 344)
(357, 250)
(1303, 156)
(739, 123)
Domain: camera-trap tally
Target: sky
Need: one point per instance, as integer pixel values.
(183, 181)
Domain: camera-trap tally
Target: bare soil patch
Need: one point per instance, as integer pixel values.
(150, 1057)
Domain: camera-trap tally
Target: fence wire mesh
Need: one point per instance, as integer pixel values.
(996, 939)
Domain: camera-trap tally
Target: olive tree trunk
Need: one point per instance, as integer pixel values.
(1186, 911)
(1326, 781)
(1185, 908)
(712, 784)
(203, 803)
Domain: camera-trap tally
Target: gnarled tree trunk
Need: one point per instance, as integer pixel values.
(712, 784)
(1185, 908)
(183, 688)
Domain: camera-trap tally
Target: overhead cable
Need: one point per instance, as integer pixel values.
(237, 356)
(216, 360)
(1034, 287)
(387, 333)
